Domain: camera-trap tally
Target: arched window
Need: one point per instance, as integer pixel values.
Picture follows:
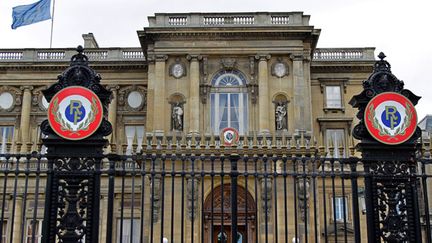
(229, 101)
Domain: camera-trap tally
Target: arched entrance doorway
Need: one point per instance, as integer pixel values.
(217, 215)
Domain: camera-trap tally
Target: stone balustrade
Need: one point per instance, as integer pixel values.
(344, 54)
(136, 54)
(64, 55)
(228, 19)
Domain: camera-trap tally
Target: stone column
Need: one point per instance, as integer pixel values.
(17, 220)
(150, 94)
(159, 117)
(112, 113)
(194, 76)
(308, 92)
(104, 216)
(263, 94)
(301, 94)
(25, 118)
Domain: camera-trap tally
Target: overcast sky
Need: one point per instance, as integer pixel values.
(399, 28)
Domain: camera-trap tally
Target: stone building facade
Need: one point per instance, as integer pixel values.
(196, 74)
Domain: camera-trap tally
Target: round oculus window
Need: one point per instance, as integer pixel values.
(6, 100)
(135, 99)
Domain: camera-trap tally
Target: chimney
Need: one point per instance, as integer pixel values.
(90, 41)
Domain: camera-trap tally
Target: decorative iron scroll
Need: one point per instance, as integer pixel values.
(73, 183)
(391, 188)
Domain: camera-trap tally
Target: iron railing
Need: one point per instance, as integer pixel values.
(193, 192)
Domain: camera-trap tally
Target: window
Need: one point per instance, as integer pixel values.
(339, 208)
(6, 136)
(128, 226)
(335, 138)
(333, 97)
(34, 227)
(134, 136)
(229, 101)
(333, 90)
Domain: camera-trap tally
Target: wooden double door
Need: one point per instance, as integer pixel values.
(217, 213)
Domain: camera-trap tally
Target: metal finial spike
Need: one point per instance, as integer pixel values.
(80, 49)
(381, 56)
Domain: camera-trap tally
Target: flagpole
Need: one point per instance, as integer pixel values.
(52, 24)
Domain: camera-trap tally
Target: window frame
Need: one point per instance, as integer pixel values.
(344, 123)
(217, 91)
(140, 142)
(333, 102)
(336, 146)
(334, 211)
(339, 82)
(38, 237)
(12, 141)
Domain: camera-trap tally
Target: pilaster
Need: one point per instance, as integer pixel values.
(159, 120)
(16, 238)
(150, 93)
(104, 217)
(194, 85)
(301, 93)
(263, 93)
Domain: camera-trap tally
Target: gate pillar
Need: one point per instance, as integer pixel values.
(75, 130)
(388, 132)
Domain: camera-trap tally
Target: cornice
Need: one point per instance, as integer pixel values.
(63, 66)
(342, 68)
(323, 120)
(229, 35)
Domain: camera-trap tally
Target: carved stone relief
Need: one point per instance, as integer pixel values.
(303, 197)
(279, 68)
(266, 196)
(204, 70)
(39, 102)
(155, 196)
(228, 63)
(253, 91)
(192, 197)
(177, 69)
(204, 92)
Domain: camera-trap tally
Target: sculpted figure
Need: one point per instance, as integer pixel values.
(281, 116)
(177, 117)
